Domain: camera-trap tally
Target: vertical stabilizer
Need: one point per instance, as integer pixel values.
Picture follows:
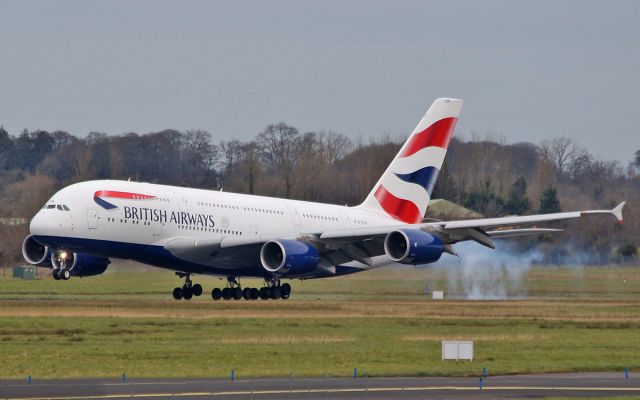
(404, 190)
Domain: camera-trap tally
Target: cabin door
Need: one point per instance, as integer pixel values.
(92, 219)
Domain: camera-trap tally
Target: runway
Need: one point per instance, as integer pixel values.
(517, 386)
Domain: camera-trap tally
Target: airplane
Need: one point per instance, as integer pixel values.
(194, 231)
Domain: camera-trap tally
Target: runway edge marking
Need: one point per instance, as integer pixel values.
(340, 390)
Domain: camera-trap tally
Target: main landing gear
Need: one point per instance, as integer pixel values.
(188, 290)
(272, 290)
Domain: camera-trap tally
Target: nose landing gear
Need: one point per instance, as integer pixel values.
(188, 290)
(61, 274)
(60, 261)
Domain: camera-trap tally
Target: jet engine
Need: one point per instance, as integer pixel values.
(79, 264)
(288, 257)
(36, 253)
(411, 246)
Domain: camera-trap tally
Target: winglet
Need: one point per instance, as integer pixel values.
(617, 212)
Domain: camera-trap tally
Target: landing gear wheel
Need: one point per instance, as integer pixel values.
(187, 292)
(264, 293)
(216, 294)
(177, 293)
(255, 293)
(275, 293)
(237, 293)
(65, 274)
(246, 293)
(286, 291)
(56, 275)
(189, 289)
(226, 293)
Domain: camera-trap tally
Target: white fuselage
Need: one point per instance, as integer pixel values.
(119, 213)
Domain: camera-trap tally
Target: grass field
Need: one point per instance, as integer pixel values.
(379, 321)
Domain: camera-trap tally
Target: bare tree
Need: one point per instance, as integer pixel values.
(279, 146)
(561, 153)
(231, 152)
(251, 164)
(335, 146)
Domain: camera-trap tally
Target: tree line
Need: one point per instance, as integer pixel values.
(486, 175)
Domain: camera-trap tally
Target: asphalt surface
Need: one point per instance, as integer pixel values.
(502, 387)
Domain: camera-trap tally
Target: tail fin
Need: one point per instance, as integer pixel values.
(404, 190)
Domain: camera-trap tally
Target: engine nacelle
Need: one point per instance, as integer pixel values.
(36, 253)
(79, 264)
(288, 257)
(411, 246)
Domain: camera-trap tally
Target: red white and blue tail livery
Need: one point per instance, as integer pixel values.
(192, 231)
(404, 190)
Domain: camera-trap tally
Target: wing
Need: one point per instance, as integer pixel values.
(478, 230)
(362, 245)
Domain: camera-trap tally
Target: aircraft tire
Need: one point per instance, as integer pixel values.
(264, 293)
(177, 293)
(65, 274)
(276, 293)
(216, 294)
(56, 275)
(187, 293)
(255, 294)
(246, 293)
(286, 290)
(237, 293)
(197, 289)
(226, 293)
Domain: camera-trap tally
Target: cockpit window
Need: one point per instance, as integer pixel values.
(60, 207)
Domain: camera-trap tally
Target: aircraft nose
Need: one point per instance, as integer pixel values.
(39, 225)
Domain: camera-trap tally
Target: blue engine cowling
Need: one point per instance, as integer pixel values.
(410, 246)
(289, 257)
(36, 253)
(80, 264)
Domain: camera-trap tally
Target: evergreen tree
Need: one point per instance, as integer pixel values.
(445, 187)
(6, 149)
(636, 162)
(518, 201)
(484, 201)
(549, 202)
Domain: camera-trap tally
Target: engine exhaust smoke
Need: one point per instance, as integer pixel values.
(481, 273)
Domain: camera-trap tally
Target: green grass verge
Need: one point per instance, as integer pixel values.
(376, 321)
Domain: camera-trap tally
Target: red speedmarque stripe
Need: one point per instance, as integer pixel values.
(122, 195)
(401, 209)
(437, 134)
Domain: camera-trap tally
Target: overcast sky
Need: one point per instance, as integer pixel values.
(528, 71)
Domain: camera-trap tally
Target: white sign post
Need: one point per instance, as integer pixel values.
(457, 350)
